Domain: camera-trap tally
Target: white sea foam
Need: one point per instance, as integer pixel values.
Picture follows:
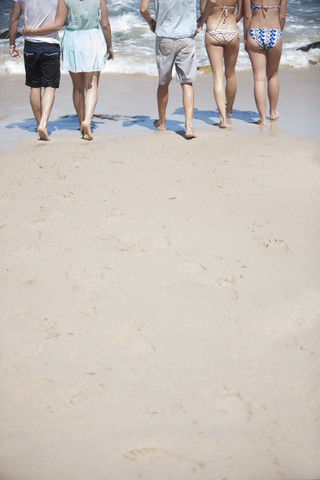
(124, 23)
(131, 58)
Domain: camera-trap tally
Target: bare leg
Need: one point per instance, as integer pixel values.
(188, 105)
(78, 94)
(258, 60)
(35, 102)
(273, 61)
(215, 54)
(231, 51)
(162, 99)
(46, 107)
(91, 84)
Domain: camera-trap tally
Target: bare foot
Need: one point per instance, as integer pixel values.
(275, 115)
(159, 126)
(229, 112)
(86, 131)
(221, 125)
(43, 134)
(190, 133)
(261, 123)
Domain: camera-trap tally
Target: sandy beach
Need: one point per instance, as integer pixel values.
(160, 297)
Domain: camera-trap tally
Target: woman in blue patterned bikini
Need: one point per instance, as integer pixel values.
(222, 45)
(262, 27)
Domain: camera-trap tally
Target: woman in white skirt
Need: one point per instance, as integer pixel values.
(86, 45)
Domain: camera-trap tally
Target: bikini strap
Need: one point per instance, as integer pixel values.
(265, 8)
(224, 13)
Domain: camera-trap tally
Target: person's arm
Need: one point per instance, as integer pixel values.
(202, 6)
(282, 13)
(13, 27)
(247, 15)
(206, 9)
(61, 16)
(106, 29)
(239, 13)
(144, 10)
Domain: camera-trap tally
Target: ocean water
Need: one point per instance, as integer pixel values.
(133, 42)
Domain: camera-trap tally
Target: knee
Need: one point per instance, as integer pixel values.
(78, 90)
(259, 77)
(230, 76)
(218, 77)
(163, 88)
(272, 75)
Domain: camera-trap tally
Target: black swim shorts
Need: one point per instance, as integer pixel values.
(42, 64)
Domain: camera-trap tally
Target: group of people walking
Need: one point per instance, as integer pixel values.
(87, 44)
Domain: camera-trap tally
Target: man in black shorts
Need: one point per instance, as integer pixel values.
(41, 57)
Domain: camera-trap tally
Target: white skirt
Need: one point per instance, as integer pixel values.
(84, 50)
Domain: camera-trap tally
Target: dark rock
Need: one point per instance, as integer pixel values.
(5, 35)
(308, 47)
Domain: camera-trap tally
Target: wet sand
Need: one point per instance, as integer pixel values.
(127, 106)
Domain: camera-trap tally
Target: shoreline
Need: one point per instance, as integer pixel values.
(127, 105)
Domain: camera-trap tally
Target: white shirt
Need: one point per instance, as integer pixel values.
(38, 13)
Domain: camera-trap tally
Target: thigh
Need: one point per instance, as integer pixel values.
(165, 56)
(215, 55)
(231, 51)
(31, 64)
(49, 63)
(258, 58)
(273, 59)
(185, 60)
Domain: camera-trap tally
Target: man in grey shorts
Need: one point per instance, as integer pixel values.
(175, 29)
(41, 57)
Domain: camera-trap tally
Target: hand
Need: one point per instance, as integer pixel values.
(110, 54)
(152, 25)
(199, 24)
(26, 30)
(14, 52)
(198, 30)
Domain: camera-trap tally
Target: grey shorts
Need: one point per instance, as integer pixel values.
(179, 52)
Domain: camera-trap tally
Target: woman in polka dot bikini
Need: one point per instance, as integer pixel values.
(222, 45)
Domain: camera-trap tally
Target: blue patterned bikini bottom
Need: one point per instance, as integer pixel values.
(265, 37)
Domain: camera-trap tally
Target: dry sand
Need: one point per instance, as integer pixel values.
(160, 303)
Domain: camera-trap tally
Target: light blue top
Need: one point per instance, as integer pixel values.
(82, 14)
(176, 18)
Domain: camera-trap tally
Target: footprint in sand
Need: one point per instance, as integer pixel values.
(274, 243)
(116, 244)
(133, 344)
(8, 196)
(48, 326)
(149, 453)
(191, 267)
(225, 281)
(96, 368)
